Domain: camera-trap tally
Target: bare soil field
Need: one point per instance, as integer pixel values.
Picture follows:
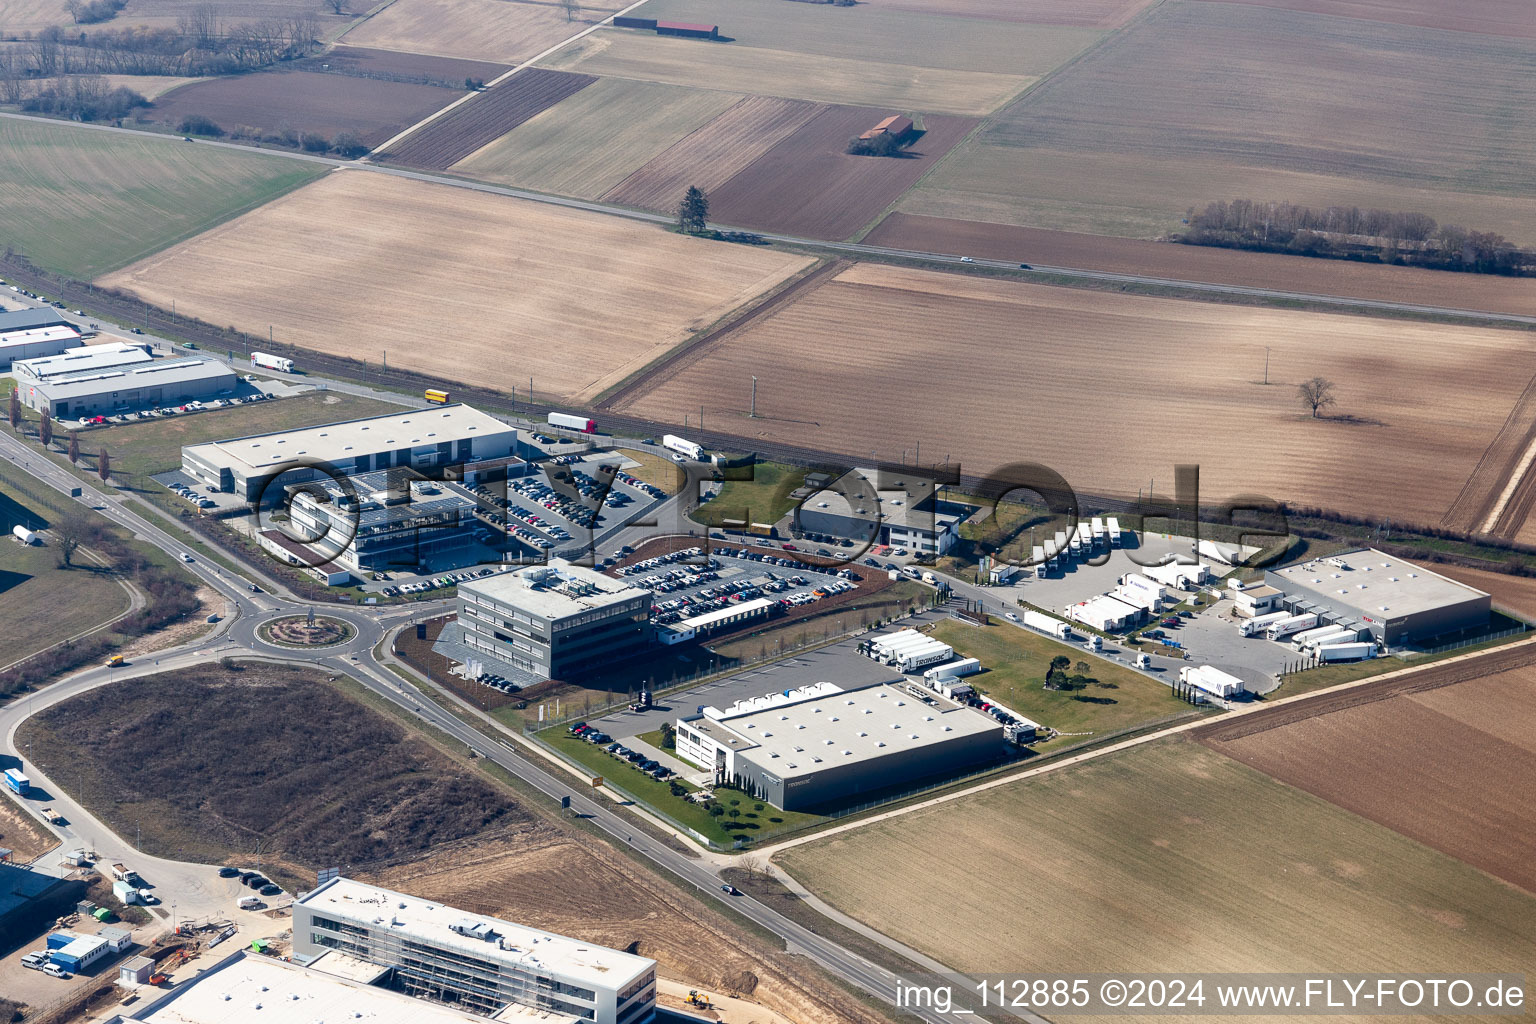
(1516, 594)
(913, 39)
(711, 155)
(457, 134)
(1490, 17)
(394, 65)
(591, 141)
(323, 779)
(1146, 196)
(504, 31)
(1449, 766)
(577, 301)
(1403, 117)
(307, 101)
(148, 86)
(1085, 13)
(1202, 263)
(1165, 847)
(807, 185)
(641, 914)
(1111, 390)
(624, 53)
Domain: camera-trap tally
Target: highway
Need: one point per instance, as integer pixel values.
(841, 248)
(198, 891)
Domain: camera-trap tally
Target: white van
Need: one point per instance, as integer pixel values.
(249, 902)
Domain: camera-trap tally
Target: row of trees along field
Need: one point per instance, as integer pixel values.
(202, 43)
(1348, 232)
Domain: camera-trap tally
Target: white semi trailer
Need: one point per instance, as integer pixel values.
(683, 446)
(270, 362)
(1047, 624)
(1259, 623)
(1290, 624)
(1358, 651)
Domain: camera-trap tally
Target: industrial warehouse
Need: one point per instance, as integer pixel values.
(555, 621)
(820, 744)
(31, 333)
(119, 381)
(421, 438)
(1368, 591)
(475, 962)
(882, 507)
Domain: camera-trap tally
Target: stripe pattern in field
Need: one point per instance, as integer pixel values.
(712, 155)
(454, 136)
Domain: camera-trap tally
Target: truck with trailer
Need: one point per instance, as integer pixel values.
(1259, 623)
(1301, 639)
(266, 361)
(1097, 527)
(581, 423)
(1047, 624)
(1357, 651)
(1038, 560)
(954, 670)
(1290, 624)
(1211, 680)
(683, 446)
(1061, 549)
(1112, 531)
(16, 782)
(1315, 638)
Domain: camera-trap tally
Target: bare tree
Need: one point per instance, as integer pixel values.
(12, 78)
(752, 865)
(337, 6)
(45, 429)
(572, 9)
(1316, 394)
(74, 447)
(69, 531)
(104, 466)
(14, 412)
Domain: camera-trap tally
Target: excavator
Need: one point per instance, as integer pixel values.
(698, 1000)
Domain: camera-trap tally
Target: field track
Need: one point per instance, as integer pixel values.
(1206, 264)
(1502, 659)
(444, 142)
(1500, 463)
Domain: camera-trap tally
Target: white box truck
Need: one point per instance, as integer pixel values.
(1211, 680)
(1357, 651)
(1290, 624)
(1046, 624)
(271, 362)
(683, 446)
(569, 422)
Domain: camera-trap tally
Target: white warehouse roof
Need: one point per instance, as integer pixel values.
(158, 373)
(1371, 582)
(85, 357)
(729, 613)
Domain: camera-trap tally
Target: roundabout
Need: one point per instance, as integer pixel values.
(305, 632)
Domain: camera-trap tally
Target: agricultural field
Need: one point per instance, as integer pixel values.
(1488, 17)
(306, 101)
(485, 118)
(626, 53)
(531, 883)
(1103, 14)
(715, 153)
(1042, 247)
(391, 65)
(1111, 389)
(1513, 594)
(915, 40)
(577, 301)
(1385, 116)
(18, 17)
(592, 140)
(1015, 661)
(40, 602)
(807, 185)
(1448, 765)
(504, 31)
(83, 202)
(322, 778)
(149, 86)
(1165, 847)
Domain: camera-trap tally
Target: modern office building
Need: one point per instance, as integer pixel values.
(477, 963)
(422, 439)
(554, 621)
(882, 507)
(129, 387)
(822, 744)
(385, 520)
(30, 333)
(1394, 600)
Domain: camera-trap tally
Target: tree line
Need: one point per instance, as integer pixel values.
(1349, 232)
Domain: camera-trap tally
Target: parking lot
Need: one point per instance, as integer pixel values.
(684, 588)
(556, 508)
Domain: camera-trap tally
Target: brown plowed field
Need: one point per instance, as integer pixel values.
(709, 156)
(1086, 13)
(366, 63)
(507, 31)
(487, 117)
(1112, 390)
(1490, 17)
(806, 185)
(1449, 765)
(463, 285)
(1204, 263)
(308, 101)
(1516, 594)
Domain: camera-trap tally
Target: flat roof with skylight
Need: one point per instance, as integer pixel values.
(1373, 582)
(554, 591)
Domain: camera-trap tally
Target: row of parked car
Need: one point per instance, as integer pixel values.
(497, 682)
(451, 579)
(649, 765)
(171, 410)
(588, 486)
(191, 495)
(253, 880)
(748, 555)
(638, 484)
(541, 493)
(670, 558)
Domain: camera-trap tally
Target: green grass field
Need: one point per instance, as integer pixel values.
(82, 201)
(1016, 660)
(622, 53)
(588, 143)
(897, 37)
(763, 499)
(1166, 857)
(40, 603)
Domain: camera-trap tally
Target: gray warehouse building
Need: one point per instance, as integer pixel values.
(422, 439)
(822, 744)
(131, 386)
(555, 621)
(30, 333)
(1394, 600)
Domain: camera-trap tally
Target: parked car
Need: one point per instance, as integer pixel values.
(729, 890)
(53, 970)
(227, 872)
(270, 890)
